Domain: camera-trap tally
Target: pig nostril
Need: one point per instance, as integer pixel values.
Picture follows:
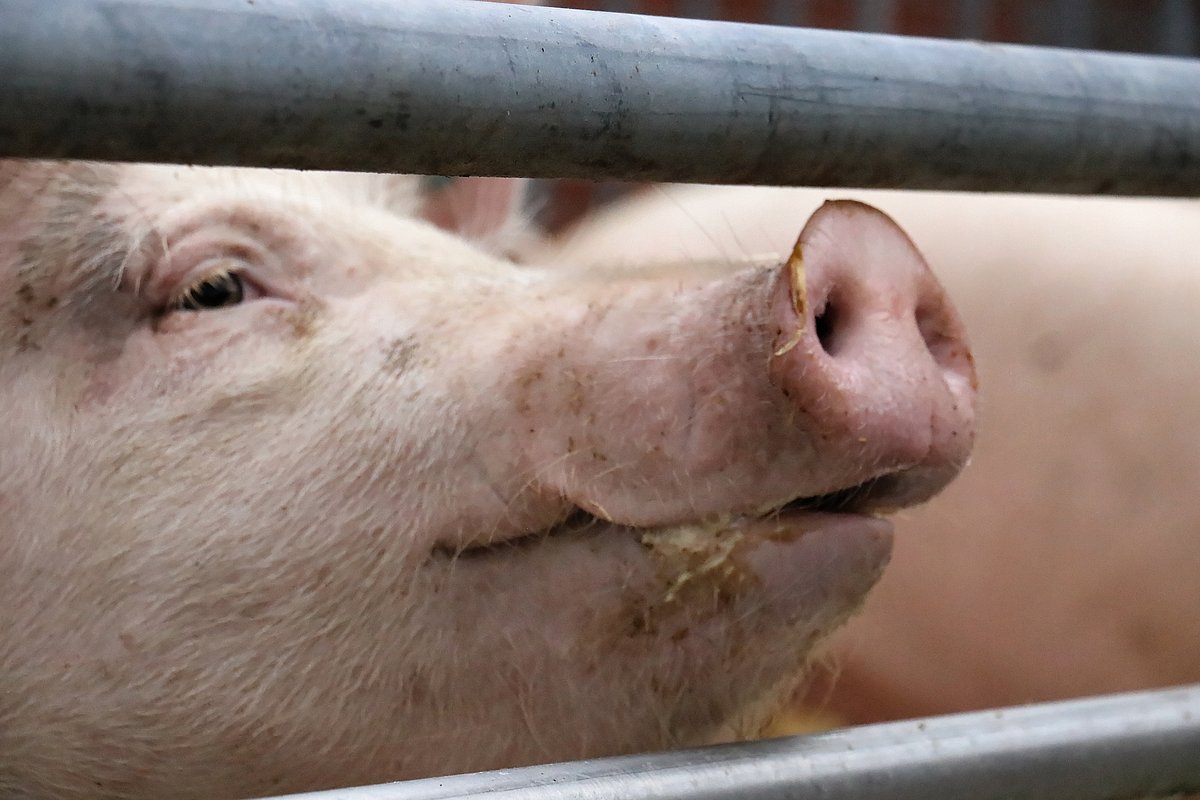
(827, 324)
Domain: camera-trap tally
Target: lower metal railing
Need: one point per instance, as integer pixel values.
(1144, 744)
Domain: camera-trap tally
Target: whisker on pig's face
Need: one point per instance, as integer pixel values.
(305, 492)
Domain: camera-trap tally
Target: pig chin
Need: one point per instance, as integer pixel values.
(692, 633)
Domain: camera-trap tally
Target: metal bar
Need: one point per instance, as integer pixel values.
(449, 87)
(1144, 744)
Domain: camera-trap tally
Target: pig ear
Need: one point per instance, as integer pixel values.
(487, 211)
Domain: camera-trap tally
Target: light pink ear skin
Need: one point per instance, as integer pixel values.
(487, 211)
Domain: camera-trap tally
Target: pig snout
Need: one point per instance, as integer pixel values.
(875, 353)
(840, 381)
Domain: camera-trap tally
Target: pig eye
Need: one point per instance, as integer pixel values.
(215, 291)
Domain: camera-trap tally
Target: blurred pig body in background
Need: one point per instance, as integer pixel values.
(1064, 561)
(298, 490)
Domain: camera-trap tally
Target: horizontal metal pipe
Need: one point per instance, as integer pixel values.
(1144, 744)
(455, 88)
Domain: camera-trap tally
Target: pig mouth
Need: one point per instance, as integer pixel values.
(879, 495)
(870, 499)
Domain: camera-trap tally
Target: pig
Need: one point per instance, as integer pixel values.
(1063, 563)
(301, 490)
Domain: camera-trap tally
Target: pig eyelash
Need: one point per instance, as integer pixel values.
(216, 290)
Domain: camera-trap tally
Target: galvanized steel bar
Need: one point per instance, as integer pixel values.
(1144, 744)
(449, 87)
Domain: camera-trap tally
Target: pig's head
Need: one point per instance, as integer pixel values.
(299, 490)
